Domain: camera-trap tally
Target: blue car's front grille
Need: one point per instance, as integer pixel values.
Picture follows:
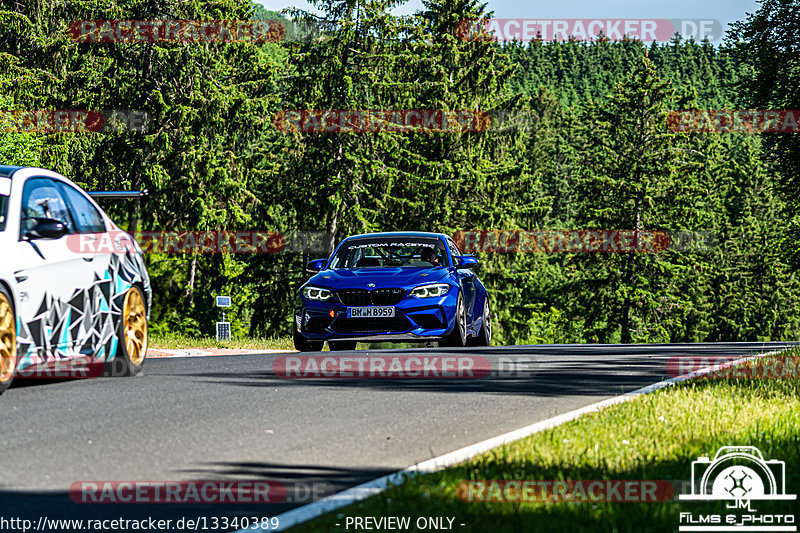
(354, 297)
(361, 297)
(387, 296)
(397, 324)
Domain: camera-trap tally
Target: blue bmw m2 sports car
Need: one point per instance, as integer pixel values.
(395, 287)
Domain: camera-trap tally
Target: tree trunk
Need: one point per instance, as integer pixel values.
(190, 288)
(630, 264)
(330, 229)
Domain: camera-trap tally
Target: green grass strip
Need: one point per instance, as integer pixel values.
(181, 342)
(653, 437)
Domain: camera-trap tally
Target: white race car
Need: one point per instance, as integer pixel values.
(74, 289)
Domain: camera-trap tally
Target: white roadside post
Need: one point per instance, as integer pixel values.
(223, 328)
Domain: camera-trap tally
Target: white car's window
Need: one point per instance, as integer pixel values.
(5, 190)
(42, 199)
(86, 216)
(3, 212)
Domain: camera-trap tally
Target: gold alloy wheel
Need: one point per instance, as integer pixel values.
(135, 327)
(8, 340)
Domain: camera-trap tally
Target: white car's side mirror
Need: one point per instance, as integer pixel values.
(46, 228)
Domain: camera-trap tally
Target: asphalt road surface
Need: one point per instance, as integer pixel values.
(234, 419)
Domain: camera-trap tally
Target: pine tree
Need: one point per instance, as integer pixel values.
(767, 44)
(635, 170)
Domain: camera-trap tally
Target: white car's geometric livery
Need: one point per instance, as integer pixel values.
(62, 299)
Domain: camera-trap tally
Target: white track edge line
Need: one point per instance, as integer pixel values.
(361, 492)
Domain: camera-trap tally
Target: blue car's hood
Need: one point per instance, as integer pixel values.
(358, 278)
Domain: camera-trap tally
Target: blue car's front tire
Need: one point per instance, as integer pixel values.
(458, 337)
(336, 346)
(301, 344)
(484, 337)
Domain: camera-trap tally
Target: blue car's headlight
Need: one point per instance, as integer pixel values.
(317, 293)
(430, 291)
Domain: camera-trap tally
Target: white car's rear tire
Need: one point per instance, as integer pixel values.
(8, 340)
(132, 336)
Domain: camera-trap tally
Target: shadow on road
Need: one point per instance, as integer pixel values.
(294, 484)
(545, 370)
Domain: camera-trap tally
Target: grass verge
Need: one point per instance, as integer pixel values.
(654, 437)
(180, 342)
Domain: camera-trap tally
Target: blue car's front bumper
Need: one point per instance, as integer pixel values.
(415, 320)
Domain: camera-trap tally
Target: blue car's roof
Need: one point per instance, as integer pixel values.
(399, 234)
(7, 170)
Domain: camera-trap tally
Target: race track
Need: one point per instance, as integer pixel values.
(232, 418)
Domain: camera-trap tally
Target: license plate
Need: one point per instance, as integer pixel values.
(370, 312)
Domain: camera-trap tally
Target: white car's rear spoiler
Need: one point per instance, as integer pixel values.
(114, 195)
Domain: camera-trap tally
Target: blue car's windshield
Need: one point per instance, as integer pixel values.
(390, 252)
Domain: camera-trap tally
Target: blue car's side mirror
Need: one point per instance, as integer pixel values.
(466, 261)
(316, 265)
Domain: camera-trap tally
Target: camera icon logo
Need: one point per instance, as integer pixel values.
(738, 473)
